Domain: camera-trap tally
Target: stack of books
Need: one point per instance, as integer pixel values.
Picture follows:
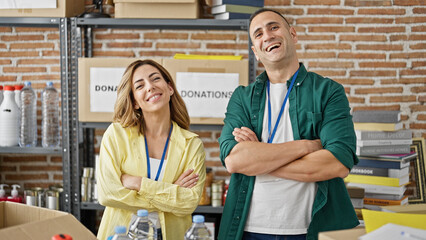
(235, 9)
(356, 195)
(383, 149)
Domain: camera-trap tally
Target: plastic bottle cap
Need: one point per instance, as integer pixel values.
(1, 87)
(198, 218)
(27, 83)
(19, 87)
(142, 213)
(9, 88)
(2, 191)
(120, 229)
(49, 84)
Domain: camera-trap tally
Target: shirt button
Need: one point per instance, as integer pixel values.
(257, 93)
(244, 191)
(298, 84)
(254, 116)
(237, 217)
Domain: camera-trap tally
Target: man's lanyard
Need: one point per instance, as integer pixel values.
(162, 157)
(272, 135)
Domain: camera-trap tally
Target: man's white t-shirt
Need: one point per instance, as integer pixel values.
(280, 206)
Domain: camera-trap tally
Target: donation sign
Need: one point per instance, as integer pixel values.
(103, 88)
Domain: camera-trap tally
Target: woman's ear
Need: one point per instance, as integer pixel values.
(171, 89)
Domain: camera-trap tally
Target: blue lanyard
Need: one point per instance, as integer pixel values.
(162, 157)
(271, 136)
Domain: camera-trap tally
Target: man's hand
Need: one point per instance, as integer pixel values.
(186, 179)
(244, 134)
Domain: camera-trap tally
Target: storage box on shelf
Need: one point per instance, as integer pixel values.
(64, 8)
(173, 9)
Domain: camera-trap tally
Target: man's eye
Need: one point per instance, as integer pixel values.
(274, 28)
(258, 35)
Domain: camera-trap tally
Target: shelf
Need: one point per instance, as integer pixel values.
(32, 150)
(232, 24)
(192, 127)
(29, 21)
(199, 209)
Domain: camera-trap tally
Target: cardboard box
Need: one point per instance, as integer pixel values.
(414, 208)
(207, 85)
(65, 8)
(350, 234)
(19, 221)
(97, 95)
(168, 9)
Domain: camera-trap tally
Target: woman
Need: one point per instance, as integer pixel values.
(148, 158)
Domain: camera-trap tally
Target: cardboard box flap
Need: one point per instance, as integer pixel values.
(413, 208)
(155, 1)
(47, 228)
(350, 234)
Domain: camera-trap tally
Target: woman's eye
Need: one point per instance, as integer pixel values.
(157, 78)
(139, 86)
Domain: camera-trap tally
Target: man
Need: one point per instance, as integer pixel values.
(293, 188)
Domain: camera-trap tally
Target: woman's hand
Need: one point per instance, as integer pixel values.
(131, 182)
(244, 134)
(188, 179)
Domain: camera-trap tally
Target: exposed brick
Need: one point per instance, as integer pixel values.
(23, 177)
(51, 53)
(415, 64)
(56, 159)
(3, 45)
(418, 108)
(308, 55)
(213, 36)
(211, 145)
(356, 100)
(398, 37)
(165, 35)
(35, 29)
(45, 185)
(382, 64)
(226, 46)
(113, 54)
(312, 37)
(316, 2)
(184, 45)
(408, 2)
(57, 177)
(380, 47)
(222, 174)
(24, 69)
(334, 29)
(41, 77)
(158, 53)
(381, 11)
(421, 89)
(7, 78)
(378, 90)
(421, 117)
(330, 73)
(319, 20)
(370, 20)
(354, 81)
(215, 154)
(204, 134)
(8, 168)
(16, 38)
(5, 29)
(421, 72)
(420, 46)
(388, 99)
(213, 164)
(53, 36)
(38, 61)
(328, 11)
(55, 69)
(362, 55)
(373, 73)
(406, 20)
(300, 29)
(375, 108)
(290, 12)
(417, 37)
(336, 64)
(5, 62)
(418, 126)
(328, 46)
(406, 55)
(19, 54)
(364, 38)
(419, 10)
(43, 168)
(277, 2)
(367, 3)
(115, 36)
(129, 45)
(421, 28)
(381, 29)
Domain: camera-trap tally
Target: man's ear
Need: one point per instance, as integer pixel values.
(293, 34)
(255, 54)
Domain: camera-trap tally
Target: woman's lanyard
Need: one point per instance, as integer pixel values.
(162, 157)
(272, 135)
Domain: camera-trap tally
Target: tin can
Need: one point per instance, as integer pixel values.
(39, 194)
(30, 197)
(60, 193)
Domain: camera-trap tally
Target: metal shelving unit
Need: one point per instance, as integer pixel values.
(63, 25)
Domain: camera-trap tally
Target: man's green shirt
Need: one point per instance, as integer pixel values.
(319, 109)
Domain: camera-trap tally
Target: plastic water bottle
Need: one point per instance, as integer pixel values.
(50, 117)
(120, 233)
(18, 89)
(28, 117)
(9, 119)
(198, 230)
(141, 227)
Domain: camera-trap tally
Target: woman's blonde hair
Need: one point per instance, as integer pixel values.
(128, 116)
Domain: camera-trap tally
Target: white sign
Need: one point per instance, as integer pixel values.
(20, 4)
(206, 94)
(103, 88)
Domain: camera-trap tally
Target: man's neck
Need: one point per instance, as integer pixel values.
(281, 72)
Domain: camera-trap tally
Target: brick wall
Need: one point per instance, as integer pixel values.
(375, 48)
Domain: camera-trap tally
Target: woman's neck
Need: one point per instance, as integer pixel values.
(156, 125)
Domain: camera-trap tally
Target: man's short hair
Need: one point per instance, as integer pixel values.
(266, 10)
